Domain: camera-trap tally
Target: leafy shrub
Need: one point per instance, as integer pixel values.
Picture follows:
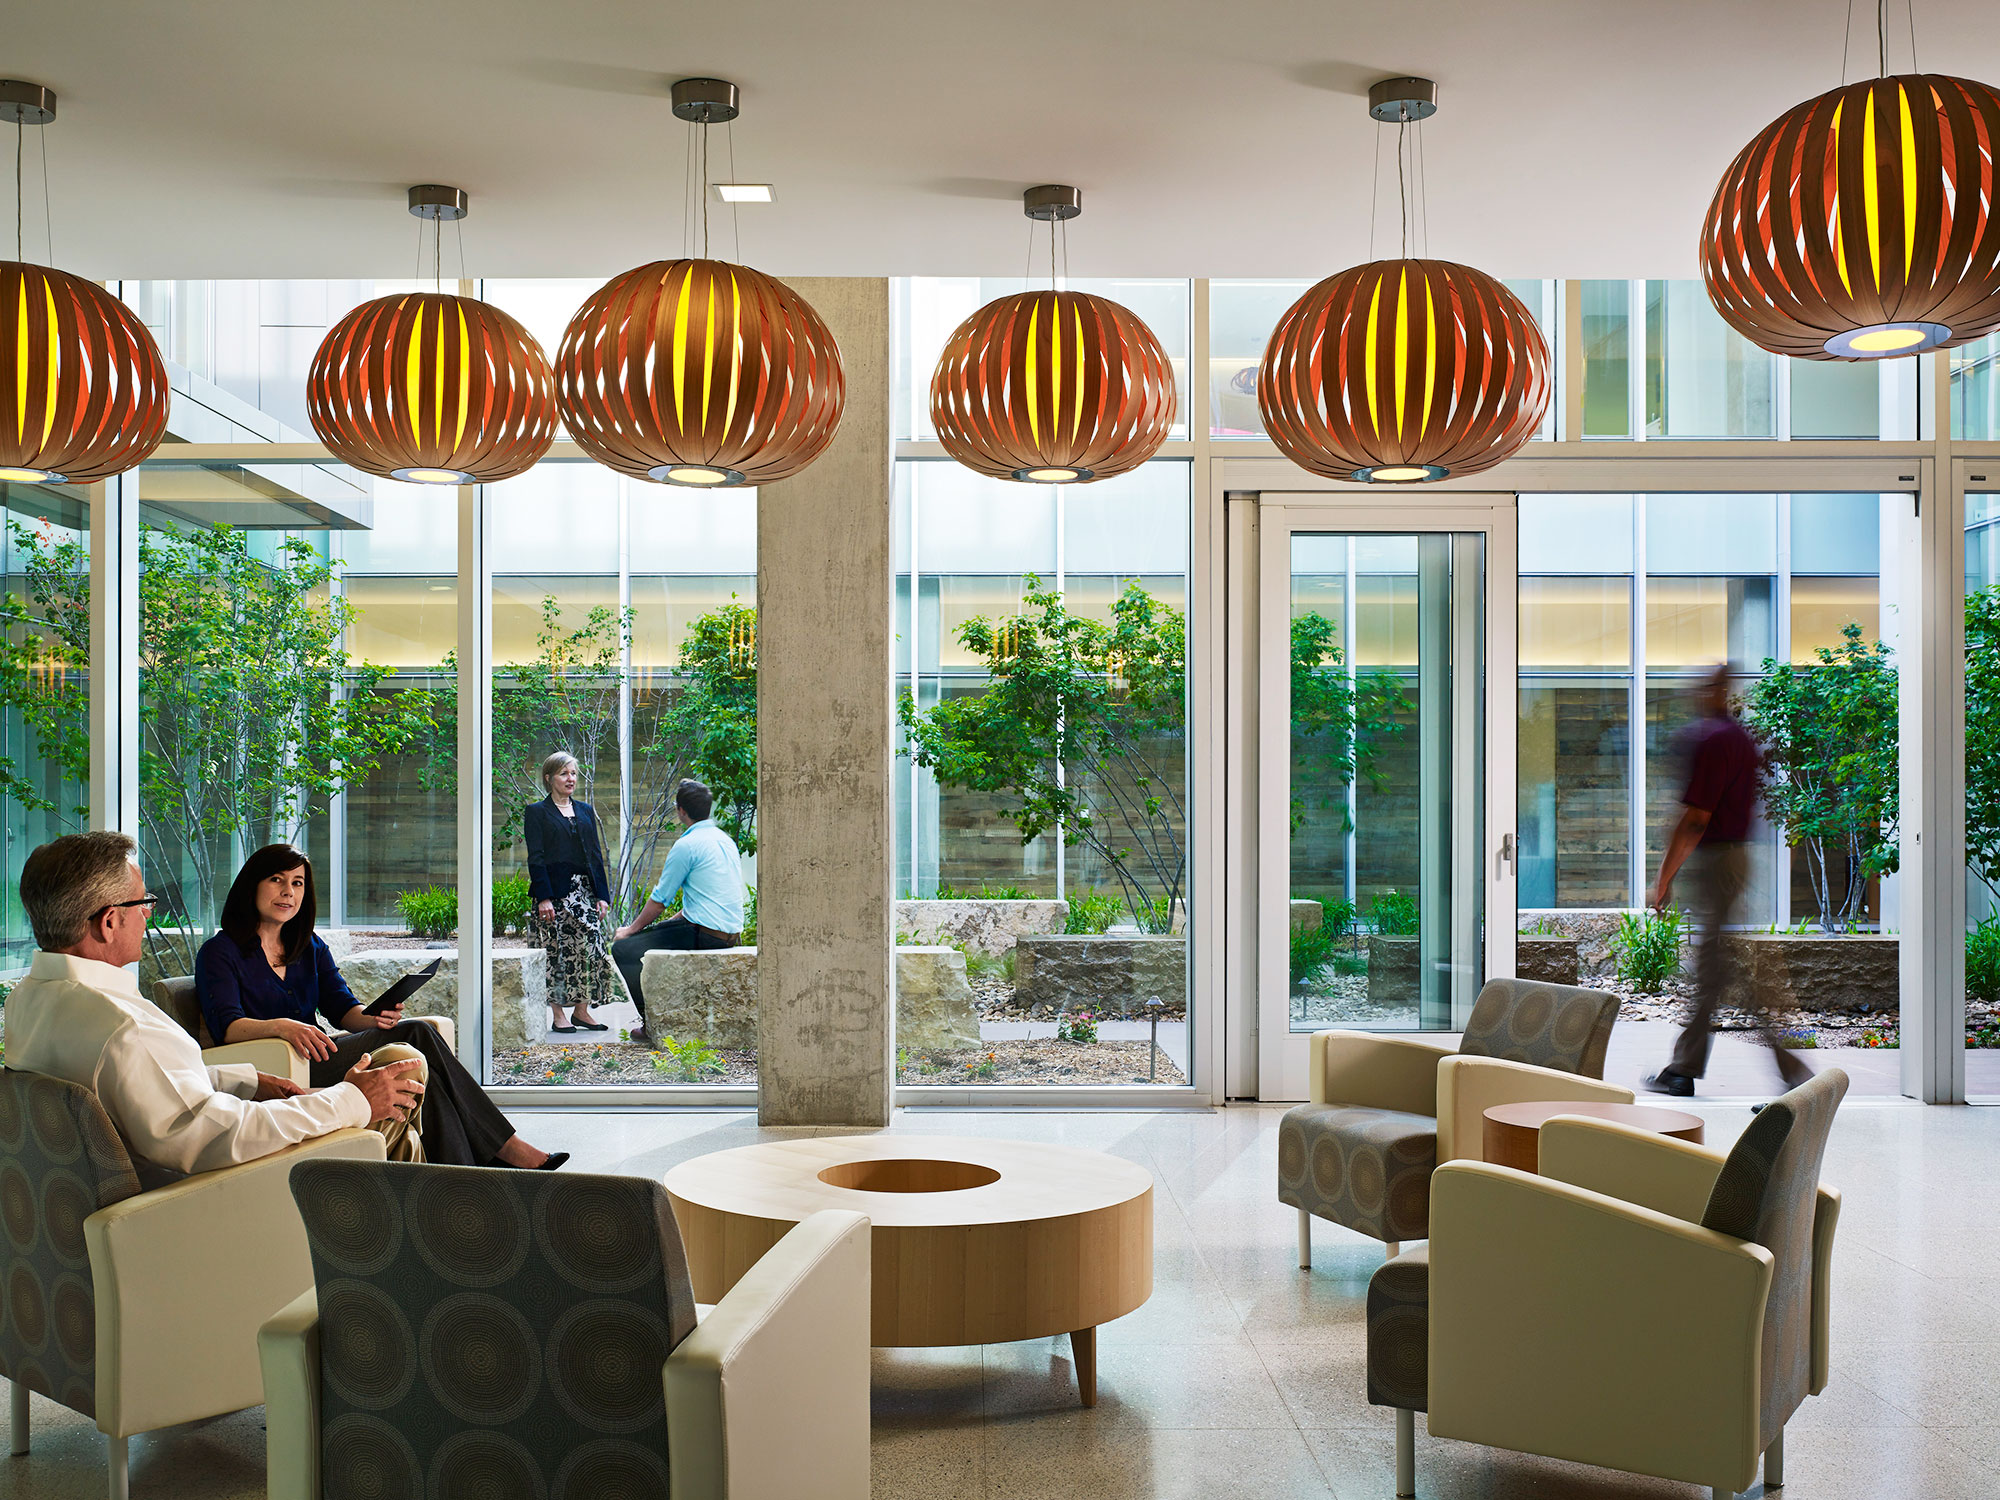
(1339, 917)
(1394, 914)
(750, 916)
(1542, 926)
(1313, 952)
(510, 904)
(1647, 948)
(431, 912)
(985, 966)
(687, 1062)
(1092, 912)
(985, 893)
(1079, 1027)
(1982, 961)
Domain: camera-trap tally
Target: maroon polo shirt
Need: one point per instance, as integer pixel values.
(1722, 779)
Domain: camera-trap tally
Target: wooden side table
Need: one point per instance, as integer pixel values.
(1513, 1132)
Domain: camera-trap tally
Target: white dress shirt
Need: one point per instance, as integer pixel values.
(85, 1021)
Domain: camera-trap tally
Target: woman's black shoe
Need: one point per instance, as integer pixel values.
(591, 1026)
(556, 1159)
(564, 1030)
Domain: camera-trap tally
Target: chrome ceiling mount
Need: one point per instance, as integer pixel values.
(433, 200)
(706, 101)
(1051, 202)
(1399, 101)
(26, 103)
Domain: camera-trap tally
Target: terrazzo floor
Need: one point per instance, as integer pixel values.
(1242, 1375)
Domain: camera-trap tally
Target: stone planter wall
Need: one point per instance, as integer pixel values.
(1393, 979)
(1107, 975)
(1857, 975)
(519, 991)
(1549, 960)
(711, 996)
(1592, 932)
(987, 928)
(1307, 915)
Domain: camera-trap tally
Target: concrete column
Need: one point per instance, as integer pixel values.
(825, 751)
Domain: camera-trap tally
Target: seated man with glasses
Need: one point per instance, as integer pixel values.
(79, 1016)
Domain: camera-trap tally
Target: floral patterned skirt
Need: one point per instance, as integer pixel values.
(576, 941)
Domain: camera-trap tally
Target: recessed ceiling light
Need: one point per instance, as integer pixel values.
(745, 192)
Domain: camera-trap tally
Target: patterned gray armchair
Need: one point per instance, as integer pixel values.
(1384, 1111)
(522, 1333)
(1642, 1304)
(110, 1305)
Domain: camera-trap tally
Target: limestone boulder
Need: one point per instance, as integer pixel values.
(1307, 915)
(1857, 974)
(934, 1009)
(711, 996)
(1109, 975)
(985, 928)
(519, 991)
(1393, 975)
(707, 995)
(1549, 960)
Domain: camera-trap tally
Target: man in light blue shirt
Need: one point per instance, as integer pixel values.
(705, 870)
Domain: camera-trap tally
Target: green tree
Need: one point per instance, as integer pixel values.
(1982, 735)
(44, 665)
(1083, 724)
(1828, 733)
(250, 715)
(1338, 718)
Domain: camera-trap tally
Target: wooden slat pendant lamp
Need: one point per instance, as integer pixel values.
(83, 390)
(1861, 224)
(1053, 387)
(699, 372)
(431, 387)
(1404, 371)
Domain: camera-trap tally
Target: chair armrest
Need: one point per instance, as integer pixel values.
(1374, 1071)
(445, 1028)
(1826, 1214)
(1469, 1086)
(1669, 1176)
(288, 1351)
(1575, 1326)
(186, 1275)
(768, 1398)
(267, 1054)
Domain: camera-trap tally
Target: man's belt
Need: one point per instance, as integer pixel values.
(728, 939)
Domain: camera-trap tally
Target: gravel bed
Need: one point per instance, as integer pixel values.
(1019, 1062)
(607, 1062)
(375, 942)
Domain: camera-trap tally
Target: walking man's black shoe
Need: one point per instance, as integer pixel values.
(1663, 1082)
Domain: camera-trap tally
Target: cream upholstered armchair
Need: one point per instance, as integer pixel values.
(111, 1303)
(531, 1333)
(1384, 1111)
(1642, 1304)
(176, 997)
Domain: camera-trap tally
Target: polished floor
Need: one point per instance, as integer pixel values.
(1242, 1375)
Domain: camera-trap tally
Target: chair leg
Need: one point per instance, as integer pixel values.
(20, 1415)
(1305, 1240)
(1406, 1453)
(1719, 1493)
(121, 1484)
(1392, 1249)
(1774, 1462)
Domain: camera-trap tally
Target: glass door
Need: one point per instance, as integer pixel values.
(1386, 873)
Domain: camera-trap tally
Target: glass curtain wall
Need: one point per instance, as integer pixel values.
(44, 685)
(1982, 772)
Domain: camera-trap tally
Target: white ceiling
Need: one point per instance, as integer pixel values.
(273, 138)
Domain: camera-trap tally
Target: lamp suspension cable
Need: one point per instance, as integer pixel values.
(20, 141)
(735, 212)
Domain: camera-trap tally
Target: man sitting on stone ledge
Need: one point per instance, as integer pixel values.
(705, 870)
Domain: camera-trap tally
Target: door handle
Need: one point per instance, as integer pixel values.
(1505, 856)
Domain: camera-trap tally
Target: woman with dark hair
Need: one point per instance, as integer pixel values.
(572, 898)
(268, 974)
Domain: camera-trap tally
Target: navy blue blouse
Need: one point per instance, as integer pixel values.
(232, 985)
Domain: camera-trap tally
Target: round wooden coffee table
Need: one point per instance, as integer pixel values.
(1513, 1132)
(974, 1241)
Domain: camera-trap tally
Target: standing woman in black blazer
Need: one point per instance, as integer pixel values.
(566, 882)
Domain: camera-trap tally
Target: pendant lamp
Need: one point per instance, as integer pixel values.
(83, 390)
(1861, 224)
(698, 372)
(1053, 387)
(430, 387)
(1404, 371)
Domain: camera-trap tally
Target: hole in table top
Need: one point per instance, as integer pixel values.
(908, 1174)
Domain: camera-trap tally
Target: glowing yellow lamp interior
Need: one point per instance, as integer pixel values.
(432, 476)
(1050, 476)
(1887, 338)
(25, 476)
(1401, 475)
(688, 474)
